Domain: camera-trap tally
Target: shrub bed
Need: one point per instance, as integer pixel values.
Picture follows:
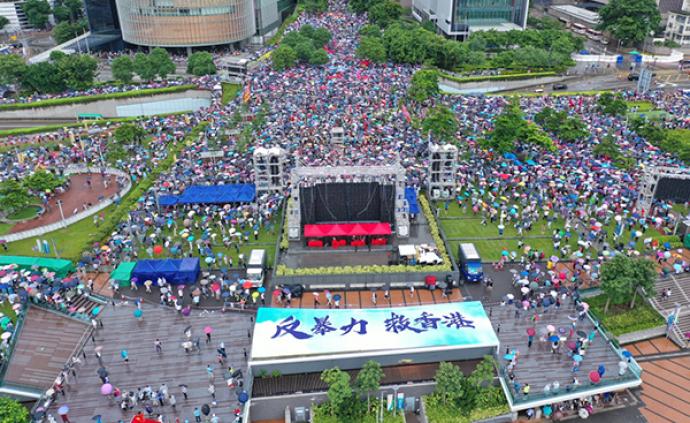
(509, 77)
(621, 319)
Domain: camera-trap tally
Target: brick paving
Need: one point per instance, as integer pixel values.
(652, 346)
(122, 331)
(46, 342)
(665, 390)
(77, 196)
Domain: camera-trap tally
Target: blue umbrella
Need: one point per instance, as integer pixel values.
(137, 313)
(95, 311)
(627, 354)
(508, 356)
(337, 297)
(243, 397)
(554, 338)
(577, 358)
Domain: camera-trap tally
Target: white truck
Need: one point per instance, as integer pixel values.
(256, 267)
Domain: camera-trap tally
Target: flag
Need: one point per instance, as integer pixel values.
(247, 93)
(405, 113)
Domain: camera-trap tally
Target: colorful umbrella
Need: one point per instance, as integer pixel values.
(594, 376)
(106, 389)
(531, 331)
(208, 329)
(138, 313)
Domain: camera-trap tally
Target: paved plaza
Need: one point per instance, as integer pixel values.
(174, 366)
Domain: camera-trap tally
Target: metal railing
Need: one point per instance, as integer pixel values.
(13, 341)
(73, 169)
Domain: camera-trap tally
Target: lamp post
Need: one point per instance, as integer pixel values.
(62, 214)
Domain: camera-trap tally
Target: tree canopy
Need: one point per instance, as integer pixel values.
(3, 22)
(122, 69)
(622, 276)
(144, 67)
(630, 20)
(12, 411)
(12, 69)
(283, 57)
(60, 73)
(371, 48)
(369, 379)
(424, 84)
(384, 13)
(13, 196)
(42, 181)
(339, 390)
(201, 63)
(37, 12)
(65, 31)
(129, 133)
(161, 62)
(611, 104)
(441, 123)
(304, 46)
(566, 128)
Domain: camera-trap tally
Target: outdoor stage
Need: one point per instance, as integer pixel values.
(173, 367)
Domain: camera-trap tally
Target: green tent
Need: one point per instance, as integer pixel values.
(61, 267)
(123, 273)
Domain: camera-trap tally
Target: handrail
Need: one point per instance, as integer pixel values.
(13, 341)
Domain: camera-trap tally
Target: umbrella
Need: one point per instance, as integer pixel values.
(508, 356)
(336, 297)
(95, 311)
(186, 311)
(98, 348)
(550, 328)
(6, 335)
(531, 331)
(106, 389)
(583, 413)
(261, 289)
(243, 397)
(577, 357)
(594, 376)
(138, 313)
(247, 284)
(581, 334)
(205, 409)
(63, 410)
(208, 329)
(554, 338)
(627, 354)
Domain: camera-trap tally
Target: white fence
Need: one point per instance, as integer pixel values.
(73, 169)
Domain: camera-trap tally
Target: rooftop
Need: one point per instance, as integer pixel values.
(579, 13)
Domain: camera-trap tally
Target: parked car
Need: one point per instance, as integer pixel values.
(557, 87)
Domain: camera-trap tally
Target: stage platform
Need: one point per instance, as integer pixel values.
(299, 255)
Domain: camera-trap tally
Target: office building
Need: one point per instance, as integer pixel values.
(457, 19)
(678, 24)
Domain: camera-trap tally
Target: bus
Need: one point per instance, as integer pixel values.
(579, 29)
(89, 116)
(594, 35)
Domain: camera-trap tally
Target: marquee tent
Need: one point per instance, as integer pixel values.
(123, 273)
(167, 200)
(218, 194)
(346, 229)
(60, 267)
(176, 271)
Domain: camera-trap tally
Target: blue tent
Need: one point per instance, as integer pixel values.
(218, 194)
(175, 271)
(411, 197)
(167, 200)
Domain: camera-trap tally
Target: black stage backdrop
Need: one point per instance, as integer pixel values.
(677, 190)
(347, 202)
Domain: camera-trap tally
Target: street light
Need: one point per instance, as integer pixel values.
(62, 214)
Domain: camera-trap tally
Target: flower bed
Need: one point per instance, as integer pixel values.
(621, 319)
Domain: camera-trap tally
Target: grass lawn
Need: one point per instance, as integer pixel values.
(6, 309)
(25, 213)
(678, 208)
(70, 241)
(681, 134)
(621, 319)
(5, 228)
(230, 91)
(640, 106)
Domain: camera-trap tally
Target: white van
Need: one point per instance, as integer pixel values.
(256, 267)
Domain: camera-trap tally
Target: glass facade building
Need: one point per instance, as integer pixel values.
(186, 23)
(102, 16)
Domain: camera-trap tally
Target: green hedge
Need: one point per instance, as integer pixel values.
(274, 40)
(57, 126)
(97, 97)
(491, 403)
(461, 80)
(621, 319)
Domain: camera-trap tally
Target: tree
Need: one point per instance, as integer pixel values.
(315, 6)
(630, 21)
(441, 123)
(161, 62)
(43, 78)
(13, 196)
(283, 57)
(75, 8)
(531, 134)
(572, 129)
(508, 127)
(371, 48)
(479, 379)
(304, 50)
(37, 12)
(611, 104)
(144, 67)
(361, 6)
(424, 84)
(201, 63)
(61, 13)
(321, 36)
(449, 383)
(122, 69)
(3, 22)
(12, 411)
(607, 147)
(42, 181)
(339, 389)
(65, 31)
(369, 379)
(318, 57)
(370, 30)
(384, 13)
(622, 276)
(12, 69)
(293, 38)
(76, 71)
(129, 133)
